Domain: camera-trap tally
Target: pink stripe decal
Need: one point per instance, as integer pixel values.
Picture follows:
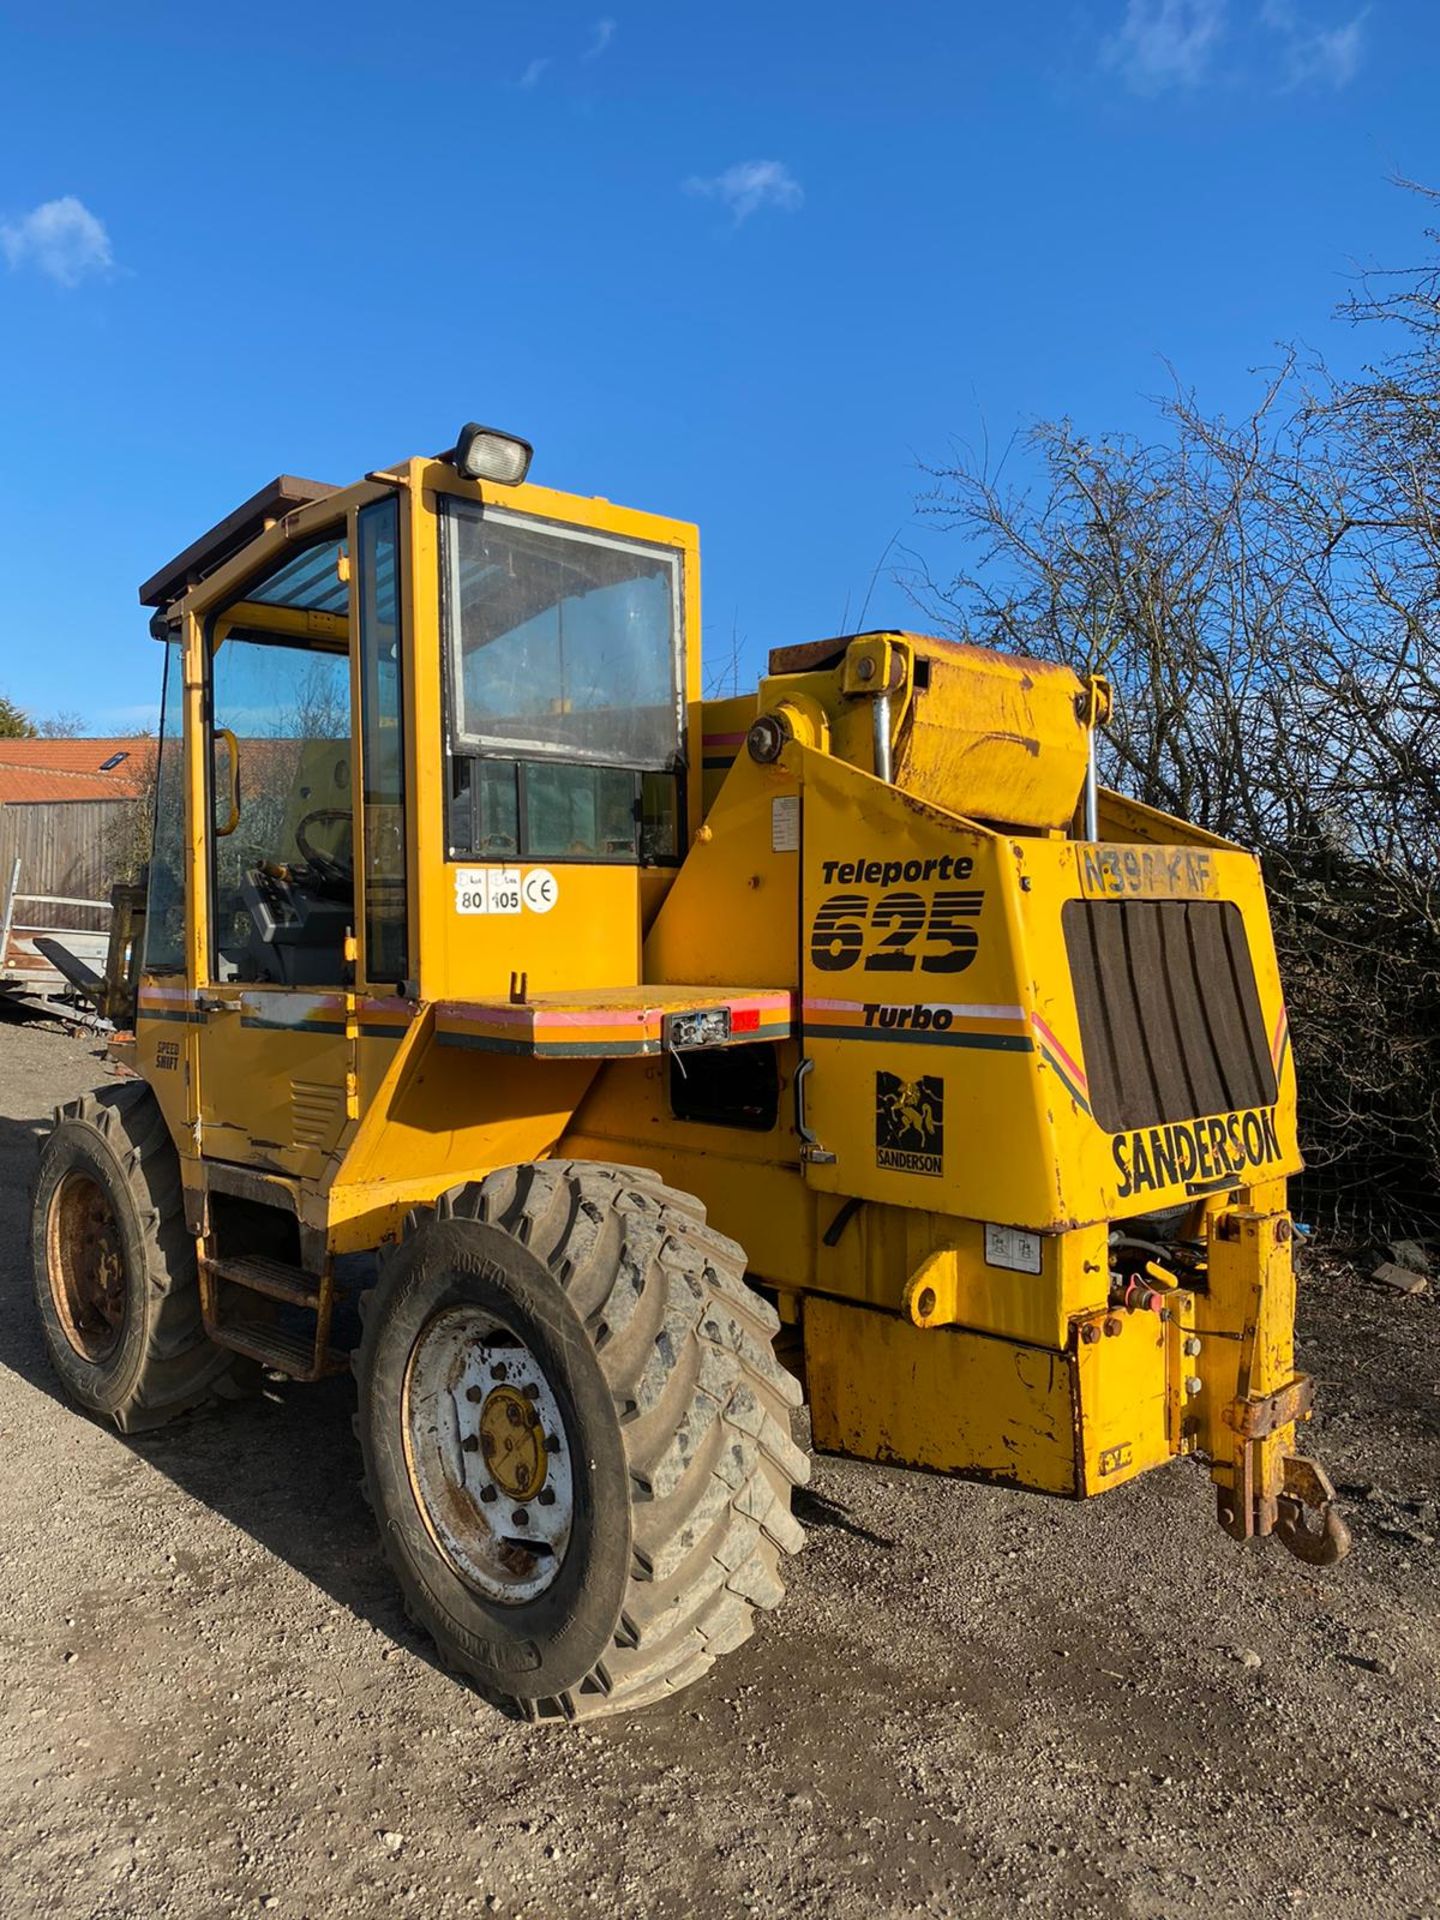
(1061, 1055)
(949, 1006)
(546, 1019)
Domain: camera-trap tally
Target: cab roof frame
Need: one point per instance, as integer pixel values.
(230, 536)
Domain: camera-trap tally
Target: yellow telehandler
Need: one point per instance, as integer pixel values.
(662, 1054)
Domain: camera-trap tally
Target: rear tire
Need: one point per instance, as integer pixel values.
(659, 1436)
(115, 1278)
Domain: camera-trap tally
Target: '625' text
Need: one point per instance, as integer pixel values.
(897, 931)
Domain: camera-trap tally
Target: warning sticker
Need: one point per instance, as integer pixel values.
(1009, 1247)
(505, 890)
(487, 890)
(785, 823)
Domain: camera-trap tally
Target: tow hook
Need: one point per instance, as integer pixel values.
(1307, 1489)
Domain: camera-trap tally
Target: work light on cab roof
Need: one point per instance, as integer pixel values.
(484, 453)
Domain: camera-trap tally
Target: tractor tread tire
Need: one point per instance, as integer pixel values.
(685, 1349)
(170, 1366)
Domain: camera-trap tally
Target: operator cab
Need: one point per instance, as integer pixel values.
(526, 671)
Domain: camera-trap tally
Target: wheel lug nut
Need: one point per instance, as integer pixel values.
(520, 1517)
(474, 1394)
(487, 1493)
(532, 1390)
(470, 1443)
(552, 1443)
(497, 1372)
(546, 1496)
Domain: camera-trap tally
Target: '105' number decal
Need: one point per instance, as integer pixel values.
(846, 925)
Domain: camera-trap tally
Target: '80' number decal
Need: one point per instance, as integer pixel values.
(889, 932)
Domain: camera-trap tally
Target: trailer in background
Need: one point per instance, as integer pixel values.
(33, 943)
(58, 860)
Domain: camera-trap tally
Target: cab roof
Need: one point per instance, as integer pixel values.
(226, 538)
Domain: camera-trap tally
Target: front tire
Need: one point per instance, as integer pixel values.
(115, 1280)
(576, 1437)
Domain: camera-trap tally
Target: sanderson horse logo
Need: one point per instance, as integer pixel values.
(910, 1123)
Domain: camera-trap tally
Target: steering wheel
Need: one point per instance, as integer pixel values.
(326, 868)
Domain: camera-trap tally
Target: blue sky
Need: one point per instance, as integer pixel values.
(745, 264)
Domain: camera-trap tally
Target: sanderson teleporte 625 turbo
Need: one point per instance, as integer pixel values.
(680, 1059)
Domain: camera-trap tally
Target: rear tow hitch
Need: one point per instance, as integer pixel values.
(1307, 1490)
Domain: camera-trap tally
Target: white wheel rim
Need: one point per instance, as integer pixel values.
(488, 1455)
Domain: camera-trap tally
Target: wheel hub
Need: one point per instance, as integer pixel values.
(86, 1266)
(487, 1454)
(512, 1443)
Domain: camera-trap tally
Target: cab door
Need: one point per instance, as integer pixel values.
(273, 1053)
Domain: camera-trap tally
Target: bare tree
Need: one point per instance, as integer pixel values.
(1265, 596)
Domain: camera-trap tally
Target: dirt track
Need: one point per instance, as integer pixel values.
(970, 1702)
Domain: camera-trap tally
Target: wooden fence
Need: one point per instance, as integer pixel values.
(67, 847)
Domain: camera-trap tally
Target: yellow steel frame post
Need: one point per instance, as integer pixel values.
(1249, 1412)
(1250, 1304)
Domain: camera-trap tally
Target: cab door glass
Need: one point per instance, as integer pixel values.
(283, 879)
(165, 902)
(382, 744)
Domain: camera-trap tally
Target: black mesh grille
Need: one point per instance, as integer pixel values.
(1170, 1018)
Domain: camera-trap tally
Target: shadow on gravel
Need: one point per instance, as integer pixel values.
(283, 1466)
(21, 1348)
(814, 1510)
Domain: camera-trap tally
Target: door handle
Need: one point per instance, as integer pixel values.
(208, 1004)
(811, 1150)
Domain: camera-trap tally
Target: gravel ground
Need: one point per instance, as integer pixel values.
(970, 1702)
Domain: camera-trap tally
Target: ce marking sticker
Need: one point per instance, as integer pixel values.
(505, 890)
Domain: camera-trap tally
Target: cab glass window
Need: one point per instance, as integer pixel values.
(562, 644)
(283, 873)
(165, 903)
(382, 744)
(282, 860)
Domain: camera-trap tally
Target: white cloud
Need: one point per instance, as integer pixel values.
(61, 239)
(1165, 43)
(604, 33)
(531, 76)
(1322, 56)
(750, 185)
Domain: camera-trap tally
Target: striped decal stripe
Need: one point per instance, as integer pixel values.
(574, 1049)
(380, 1017)
(1069, 1072)
(939, 1024)
(1280, 1044)
(600, 1032)
(951, 1037)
